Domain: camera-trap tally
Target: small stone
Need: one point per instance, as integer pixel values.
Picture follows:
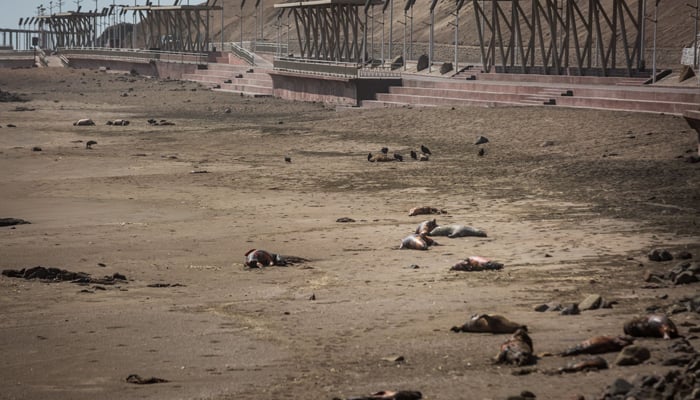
(36, 148)
(619, 387)
(481, 140)
(683, 255)
(685, 277)
(591, 302)
(660, 255)
(633, 355)
(541, 308)
(547, 143)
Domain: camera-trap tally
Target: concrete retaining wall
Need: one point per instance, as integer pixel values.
(328, 89)
(17, 63)
(157, 68)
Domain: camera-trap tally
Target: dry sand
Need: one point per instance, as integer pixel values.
(567, 220)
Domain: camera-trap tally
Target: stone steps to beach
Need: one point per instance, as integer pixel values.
(234, 78)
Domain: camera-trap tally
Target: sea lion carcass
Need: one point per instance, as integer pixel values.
(489, 323)
(517, 350)
(455, 231)
(652, 325)
(261, 258)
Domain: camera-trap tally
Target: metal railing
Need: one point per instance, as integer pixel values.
(242, 53)
(333, 68)
(134, 55)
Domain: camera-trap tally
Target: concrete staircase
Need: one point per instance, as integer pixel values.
(239, 79)
(492, 90)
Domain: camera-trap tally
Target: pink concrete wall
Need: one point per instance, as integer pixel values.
(331, 90)
(158, 69)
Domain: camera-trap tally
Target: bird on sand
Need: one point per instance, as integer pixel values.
(414, 155)
(481, 152)
(425, 150)
(287, 159)
(398, 157)
(385, 150)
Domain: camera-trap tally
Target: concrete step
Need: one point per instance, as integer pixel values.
(440, 101)
(457, 94)
(604, 103)
(233, 87)
(244, 93)
(388, 104)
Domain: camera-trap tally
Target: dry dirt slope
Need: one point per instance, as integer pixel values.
(675, 29)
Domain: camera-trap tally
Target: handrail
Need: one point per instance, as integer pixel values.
(332, 68)
(243, 53)
(137, 54)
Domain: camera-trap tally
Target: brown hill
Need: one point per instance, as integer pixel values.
(674, 31)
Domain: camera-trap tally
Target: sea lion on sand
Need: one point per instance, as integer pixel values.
(118, 122)
(489, 323)
(653, 325)
(454, 231)
(417, 242)
(261, 258)
(599, 345)
(476, 263)
(425, 210)
(84, 122)
(391, 395)
(380, 158)
(517, 350)
(590, 363)
(426, 226)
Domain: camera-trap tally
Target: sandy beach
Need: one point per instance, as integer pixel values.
(572, 202)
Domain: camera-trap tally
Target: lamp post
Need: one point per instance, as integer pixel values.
(222, 25)
(656, 22)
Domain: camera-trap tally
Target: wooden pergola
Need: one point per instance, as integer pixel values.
(182, 28)
(329, 30)
(72, 28)
(560, 36)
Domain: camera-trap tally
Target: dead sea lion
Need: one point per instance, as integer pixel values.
(426, 226)
(588, 364)
(476, 263)
(425, 210)
(417, 242)
(517, 350)
(454, 231)
(489, 323)
(653, 325)
(599, 345)
(84, 122)
(118, 122)
(391, 395)
(380, 158)
(261, 258)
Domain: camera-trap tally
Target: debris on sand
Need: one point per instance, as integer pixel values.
(138, 380)
(344, 220)
(7, 97)
(61, 275)
(164, 285)
(13, 221)
(682, 273)
(675, 384)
